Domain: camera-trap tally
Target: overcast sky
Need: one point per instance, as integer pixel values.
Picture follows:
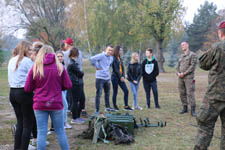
(9, 18)
(193, 5)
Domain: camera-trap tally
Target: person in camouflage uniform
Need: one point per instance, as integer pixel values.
(214, 100)
(186, 83)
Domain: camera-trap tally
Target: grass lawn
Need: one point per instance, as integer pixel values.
(178, 135)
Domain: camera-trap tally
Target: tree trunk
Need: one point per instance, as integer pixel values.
(159, 56)
(86, 26)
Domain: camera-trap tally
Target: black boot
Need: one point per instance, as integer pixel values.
(193, 111)
(185, 109)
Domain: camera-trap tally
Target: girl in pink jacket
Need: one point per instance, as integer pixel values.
(47, 79)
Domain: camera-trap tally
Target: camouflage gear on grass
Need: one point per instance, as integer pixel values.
(214, 100)
(214, 60)
(187, 64)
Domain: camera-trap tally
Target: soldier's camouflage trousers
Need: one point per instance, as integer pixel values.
(206, 119)
(186, 87)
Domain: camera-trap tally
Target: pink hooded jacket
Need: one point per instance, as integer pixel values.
(48, 89)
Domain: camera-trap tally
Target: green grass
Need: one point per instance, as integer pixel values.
(4, 89)
(178, 135)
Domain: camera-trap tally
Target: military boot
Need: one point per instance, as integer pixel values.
(185, 109)
(200, 148)
(193, 111)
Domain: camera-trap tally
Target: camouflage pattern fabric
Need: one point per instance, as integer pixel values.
(214, 100)
(186, 88)
(187, 64)
(214, 60)
(206, 119)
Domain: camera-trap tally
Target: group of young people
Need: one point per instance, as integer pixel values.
(46, 83)
(41, 86)
(111, 57)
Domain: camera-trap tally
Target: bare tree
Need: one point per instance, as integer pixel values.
(43, 19)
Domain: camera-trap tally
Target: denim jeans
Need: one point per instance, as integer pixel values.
(134, 89)
(65, 106)
(102, 84)
(22, 103)
(115, 83)
(42, 126)
(148, 86)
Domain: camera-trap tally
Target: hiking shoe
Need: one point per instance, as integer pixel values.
(127, 108)
(77, 121)
(67, 126)
(109, 109)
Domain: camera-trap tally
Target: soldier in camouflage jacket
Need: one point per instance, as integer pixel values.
(213, 104)
(186, 83)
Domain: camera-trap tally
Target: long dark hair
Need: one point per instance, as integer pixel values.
(116, 51)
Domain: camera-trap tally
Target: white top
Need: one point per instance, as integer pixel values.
(17, 78)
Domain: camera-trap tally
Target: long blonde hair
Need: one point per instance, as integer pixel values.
(22, 49)
(38, 68)
(132, 61)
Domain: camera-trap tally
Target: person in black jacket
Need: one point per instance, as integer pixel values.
(76, 77)
(118, 78)
(134, 73)
(150, 71)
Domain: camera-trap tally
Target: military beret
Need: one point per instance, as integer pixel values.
(222, 25)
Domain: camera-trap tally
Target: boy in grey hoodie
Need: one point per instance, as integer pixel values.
(103, 62)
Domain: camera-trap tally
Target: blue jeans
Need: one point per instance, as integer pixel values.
(148, 86)
(102, 84)
(42, 126)
(115, 83)
(134, 89)
(65, 106)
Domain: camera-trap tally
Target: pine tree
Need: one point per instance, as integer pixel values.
(197, 31)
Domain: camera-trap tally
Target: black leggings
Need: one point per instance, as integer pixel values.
(82, 99)
(22, 103)
(75, 107)
(34, 130)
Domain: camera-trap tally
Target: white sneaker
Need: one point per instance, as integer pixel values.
(138, 107)
(30, 147)
(49, 132)
(67, 126)
(47, 143)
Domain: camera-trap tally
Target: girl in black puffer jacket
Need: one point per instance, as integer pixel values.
(134, 73)
(76, 76)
